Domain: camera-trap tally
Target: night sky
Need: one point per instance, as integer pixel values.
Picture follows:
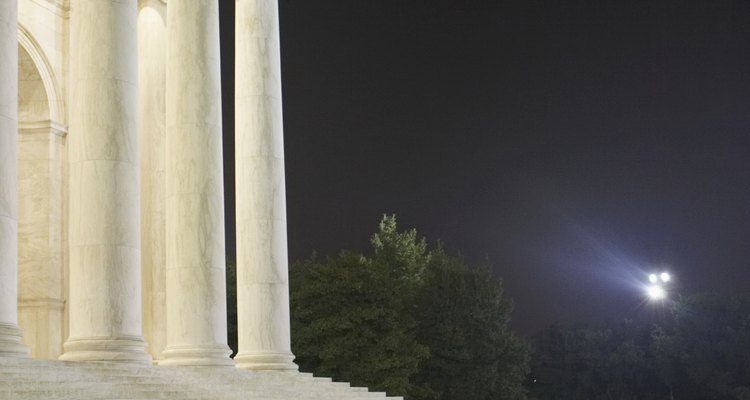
(576, 145)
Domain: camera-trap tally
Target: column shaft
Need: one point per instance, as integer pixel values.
(152, 58)
(10, 333)
(105, 295)
(196, 287)
(262, 276)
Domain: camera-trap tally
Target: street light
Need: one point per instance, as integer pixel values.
(656, 290)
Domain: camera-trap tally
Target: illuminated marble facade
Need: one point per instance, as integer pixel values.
(111, 184)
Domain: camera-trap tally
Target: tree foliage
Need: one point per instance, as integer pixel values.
(347, 323)
(701, 351)
(402, 254)
(463, 320)
(589, 362)
(408, 320)
(705, 353)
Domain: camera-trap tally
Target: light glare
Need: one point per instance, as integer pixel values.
(653, 278)
(665, 277)
(656, 292)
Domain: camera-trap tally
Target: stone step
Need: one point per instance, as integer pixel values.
(106, 387)
(338, 389)
(95, 394)
(63, 393)
(184, 386)
(28, 379)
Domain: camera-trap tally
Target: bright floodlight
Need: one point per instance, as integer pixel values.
(653, 278)
(656, 292)
(665, 277)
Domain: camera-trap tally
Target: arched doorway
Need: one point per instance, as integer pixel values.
(41, 189)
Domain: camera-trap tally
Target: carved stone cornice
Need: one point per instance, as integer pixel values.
(59, 7)
(42, 127)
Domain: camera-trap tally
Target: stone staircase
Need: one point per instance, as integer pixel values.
(30, 379)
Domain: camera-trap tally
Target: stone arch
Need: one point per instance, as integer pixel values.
(158, 5)
(29, 47)
(41, 191)
(33, 102)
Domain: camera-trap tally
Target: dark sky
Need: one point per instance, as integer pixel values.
(575, 144)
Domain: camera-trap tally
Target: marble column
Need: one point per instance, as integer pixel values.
(196, 287)
(152, 58)
(10, 333)
(105, 291)
(262, 275)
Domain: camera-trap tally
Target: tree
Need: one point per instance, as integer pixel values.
(347, 322)
(463, 320)
(407, 320)
(584, 362)
(403, 254)
(706, 352)
(701, 352)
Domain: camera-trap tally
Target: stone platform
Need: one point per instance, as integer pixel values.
(31, 379)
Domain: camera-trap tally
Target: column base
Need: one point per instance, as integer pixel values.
(129, 349)
(197, 356)
(10, 341)
(282, 362)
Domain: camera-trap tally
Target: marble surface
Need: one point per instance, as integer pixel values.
(195, 243)
(145, 216)
(152, 58)
(262, 264)
(33, 104)
(30, 379)
(43, 34)
(42, 246)
(40, 240)
(10, 334)
(105, 281)
(8, 161)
